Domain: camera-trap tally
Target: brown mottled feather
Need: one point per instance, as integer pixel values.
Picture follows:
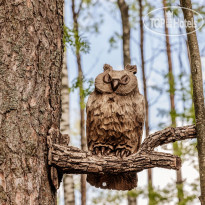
(115, 120)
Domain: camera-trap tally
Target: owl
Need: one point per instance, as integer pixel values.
(115, 119)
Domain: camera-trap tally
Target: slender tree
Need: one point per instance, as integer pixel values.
(31, 53)
(149, 172)
(69, 189)
(68, 183)
(124, 11)
(198, 92)
(82, 100)
(176, 149)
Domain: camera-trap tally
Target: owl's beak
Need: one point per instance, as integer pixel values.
(115, 84)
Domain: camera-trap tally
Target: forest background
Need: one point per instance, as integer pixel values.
(99, 41)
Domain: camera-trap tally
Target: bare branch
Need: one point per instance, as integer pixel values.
(80, 7)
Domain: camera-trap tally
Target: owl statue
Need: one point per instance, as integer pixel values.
(115, 119)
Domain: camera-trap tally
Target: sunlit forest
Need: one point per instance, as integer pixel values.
(71, 134)
(119, 33)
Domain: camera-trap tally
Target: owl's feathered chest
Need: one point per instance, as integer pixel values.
(111, 110)
(111, 114)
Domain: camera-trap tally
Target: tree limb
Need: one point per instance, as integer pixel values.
(72, 160)
(168, 135)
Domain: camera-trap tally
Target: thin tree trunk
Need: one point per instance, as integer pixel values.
(68, 183)
(198, 94)
(191, 83)
(124, 11)
(69, 189)
(170, 74)
(179, 181)
(31, 54)
(82, 100)
(131, 200)
(149, 171)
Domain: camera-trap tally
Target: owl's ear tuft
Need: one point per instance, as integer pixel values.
(131, 68)
(107, 67)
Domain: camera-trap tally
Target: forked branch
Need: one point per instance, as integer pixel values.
(73, 160)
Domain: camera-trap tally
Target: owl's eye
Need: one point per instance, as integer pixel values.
(107, 78)
(125, 79)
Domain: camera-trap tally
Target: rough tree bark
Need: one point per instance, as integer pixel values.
(68, 183)
(124, 11)
(179, 181)
(30, 67)
(82, 100)
(198, 95)
(149, 171)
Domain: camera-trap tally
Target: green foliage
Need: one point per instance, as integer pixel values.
(183, 92)
(94, 20)
(171, 82)
(178, 148)
(159, 196)
(113, 41)
(87, 1)
(155, 197)
(200, 9)
(157, 88)
(86, 87)
(75, 41)
(109, 197)
(181, 86)
(135, 192)
(134, 11)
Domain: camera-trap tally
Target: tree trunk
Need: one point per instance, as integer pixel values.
(124, 11)
(69, 189)
(131, 200)
(82, 125)
(179, 181)
(68, 183)
(198, 94)
(149, 171)
(82, 100)
(30, 76)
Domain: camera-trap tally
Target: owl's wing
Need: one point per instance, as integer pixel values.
(89, 110)
(91, 98)
(140, 117)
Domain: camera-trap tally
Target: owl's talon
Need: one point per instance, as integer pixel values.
(103, 150)
(127, 153)
(108, 151)
(118, 153)
(123, 153)
(97, 151)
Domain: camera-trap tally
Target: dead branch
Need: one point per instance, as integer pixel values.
(73, 160)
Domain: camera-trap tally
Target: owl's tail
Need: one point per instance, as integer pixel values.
(122, 181)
